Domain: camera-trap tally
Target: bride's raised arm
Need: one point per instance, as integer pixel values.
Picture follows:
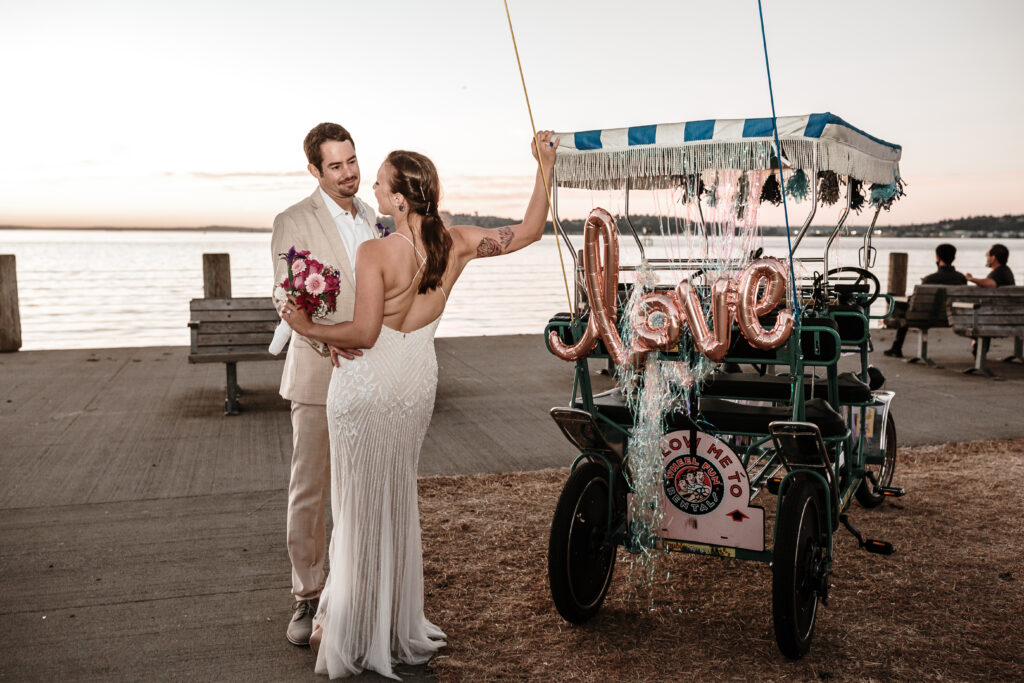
(472, 241)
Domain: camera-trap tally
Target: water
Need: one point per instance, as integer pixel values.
(98, 289)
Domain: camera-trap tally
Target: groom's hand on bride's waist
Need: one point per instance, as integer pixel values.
(347, 354)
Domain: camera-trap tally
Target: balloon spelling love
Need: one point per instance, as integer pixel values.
(659, 316)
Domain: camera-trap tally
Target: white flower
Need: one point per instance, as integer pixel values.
(280, 294)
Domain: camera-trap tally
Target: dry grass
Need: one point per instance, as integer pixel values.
(947, 605)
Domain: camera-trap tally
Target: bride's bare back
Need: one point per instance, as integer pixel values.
(402, 261)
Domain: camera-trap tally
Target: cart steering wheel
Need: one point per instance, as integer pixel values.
(863, 276)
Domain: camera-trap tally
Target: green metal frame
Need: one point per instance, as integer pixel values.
(849, 447)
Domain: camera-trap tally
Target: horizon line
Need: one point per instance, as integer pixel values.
(241, 228)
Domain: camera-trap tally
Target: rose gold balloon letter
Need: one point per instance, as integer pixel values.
(714, 345)
(605, 273)
(771, 274)
(656, 321)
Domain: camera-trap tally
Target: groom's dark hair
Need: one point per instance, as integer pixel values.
(321, 133)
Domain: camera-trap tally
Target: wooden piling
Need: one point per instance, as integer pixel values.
(898, 273)
(10, 315)
(217, 276)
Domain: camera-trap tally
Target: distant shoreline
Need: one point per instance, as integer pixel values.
(988, 227)
(208, 228)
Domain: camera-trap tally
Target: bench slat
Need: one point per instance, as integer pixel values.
(994, 331)
(234, 339)
(990, 315)
(202, 317)
(233, 326)
(240, 303)
(232, 354)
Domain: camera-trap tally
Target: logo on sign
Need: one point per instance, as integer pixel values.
(693, 484)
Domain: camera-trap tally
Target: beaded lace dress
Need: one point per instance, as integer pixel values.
(378, 409)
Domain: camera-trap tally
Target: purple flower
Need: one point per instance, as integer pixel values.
(383, 230)
(293, 254)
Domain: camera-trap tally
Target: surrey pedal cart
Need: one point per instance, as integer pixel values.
(726, 361)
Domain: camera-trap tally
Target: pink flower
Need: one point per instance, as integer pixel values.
(298, 281)
(315, 284)
(298, 266)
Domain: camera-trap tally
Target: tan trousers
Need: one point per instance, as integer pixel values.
(308, 491)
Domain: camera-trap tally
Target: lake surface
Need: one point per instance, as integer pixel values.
(99, 289)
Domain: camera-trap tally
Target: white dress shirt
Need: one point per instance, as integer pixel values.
(353, 231)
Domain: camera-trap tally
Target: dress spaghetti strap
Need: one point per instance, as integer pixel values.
(423, 262)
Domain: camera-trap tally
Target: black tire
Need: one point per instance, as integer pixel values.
(867, 495)
(798, 562)
(581, 558)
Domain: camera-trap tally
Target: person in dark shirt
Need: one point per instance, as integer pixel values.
(1001, 275)
(946, 274)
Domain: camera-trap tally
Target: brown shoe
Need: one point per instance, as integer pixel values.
(301, 626)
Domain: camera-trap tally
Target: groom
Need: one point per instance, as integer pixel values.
(331, 223)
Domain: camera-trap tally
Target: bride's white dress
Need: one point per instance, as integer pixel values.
(378, 410)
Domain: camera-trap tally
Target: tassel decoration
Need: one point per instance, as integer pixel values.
(796, 186)
(742, 190)
(828, 187)
(711, 192)
(856, 195)
(886, 195)
(770, 191)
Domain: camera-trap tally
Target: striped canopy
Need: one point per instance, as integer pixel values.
(656, 155)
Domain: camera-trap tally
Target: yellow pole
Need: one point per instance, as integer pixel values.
(547, 189)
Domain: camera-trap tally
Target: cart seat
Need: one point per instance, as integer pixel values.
(729, 417)
(776, 388)
(726, 416)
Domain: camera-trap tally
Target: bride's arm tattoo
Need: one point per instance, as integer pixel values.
(495, 247)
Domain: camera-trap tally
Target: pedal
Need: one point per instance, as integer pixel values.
(888, 491)
(878, 547)
(871, 545)
(773, 485)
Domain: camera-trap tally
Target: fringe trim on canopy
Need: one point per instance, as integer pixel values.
(654, 167)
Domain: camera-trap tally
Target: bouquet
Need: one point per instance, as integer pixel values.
(313, 285)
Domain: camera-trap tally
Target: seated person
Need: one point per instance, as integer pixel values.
(1001, 275)
(946, 274)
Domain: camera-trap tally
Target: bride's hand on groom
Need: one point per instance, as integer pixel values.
(347, 354)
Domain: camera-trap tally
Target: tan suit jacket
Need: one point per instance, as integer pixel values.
(309, 225)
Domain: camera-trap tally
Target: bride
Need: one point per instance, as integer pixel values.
(378, 409)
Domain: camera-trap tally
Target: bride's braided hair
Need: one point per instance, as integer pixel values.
(415, 178)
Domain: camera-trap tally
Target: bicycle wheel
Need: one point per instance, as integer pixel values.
(581, 557)
(867, 493)
(798, 563)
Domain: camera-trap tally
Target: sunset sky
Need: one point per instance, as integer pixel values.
(192, 113)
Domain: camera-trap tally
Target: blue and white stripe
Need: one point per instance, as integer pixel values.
(595, 158)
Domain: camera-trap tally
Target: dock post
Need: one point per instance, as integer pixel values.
(10, 315)
(217, 276)
(898, 273)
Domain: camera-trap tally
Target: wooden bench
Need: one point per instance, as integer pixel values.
(926, 308)
(230, 331)
(984, 314)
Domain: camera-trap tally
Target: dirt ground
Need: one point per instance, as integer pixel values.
(947, 605)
